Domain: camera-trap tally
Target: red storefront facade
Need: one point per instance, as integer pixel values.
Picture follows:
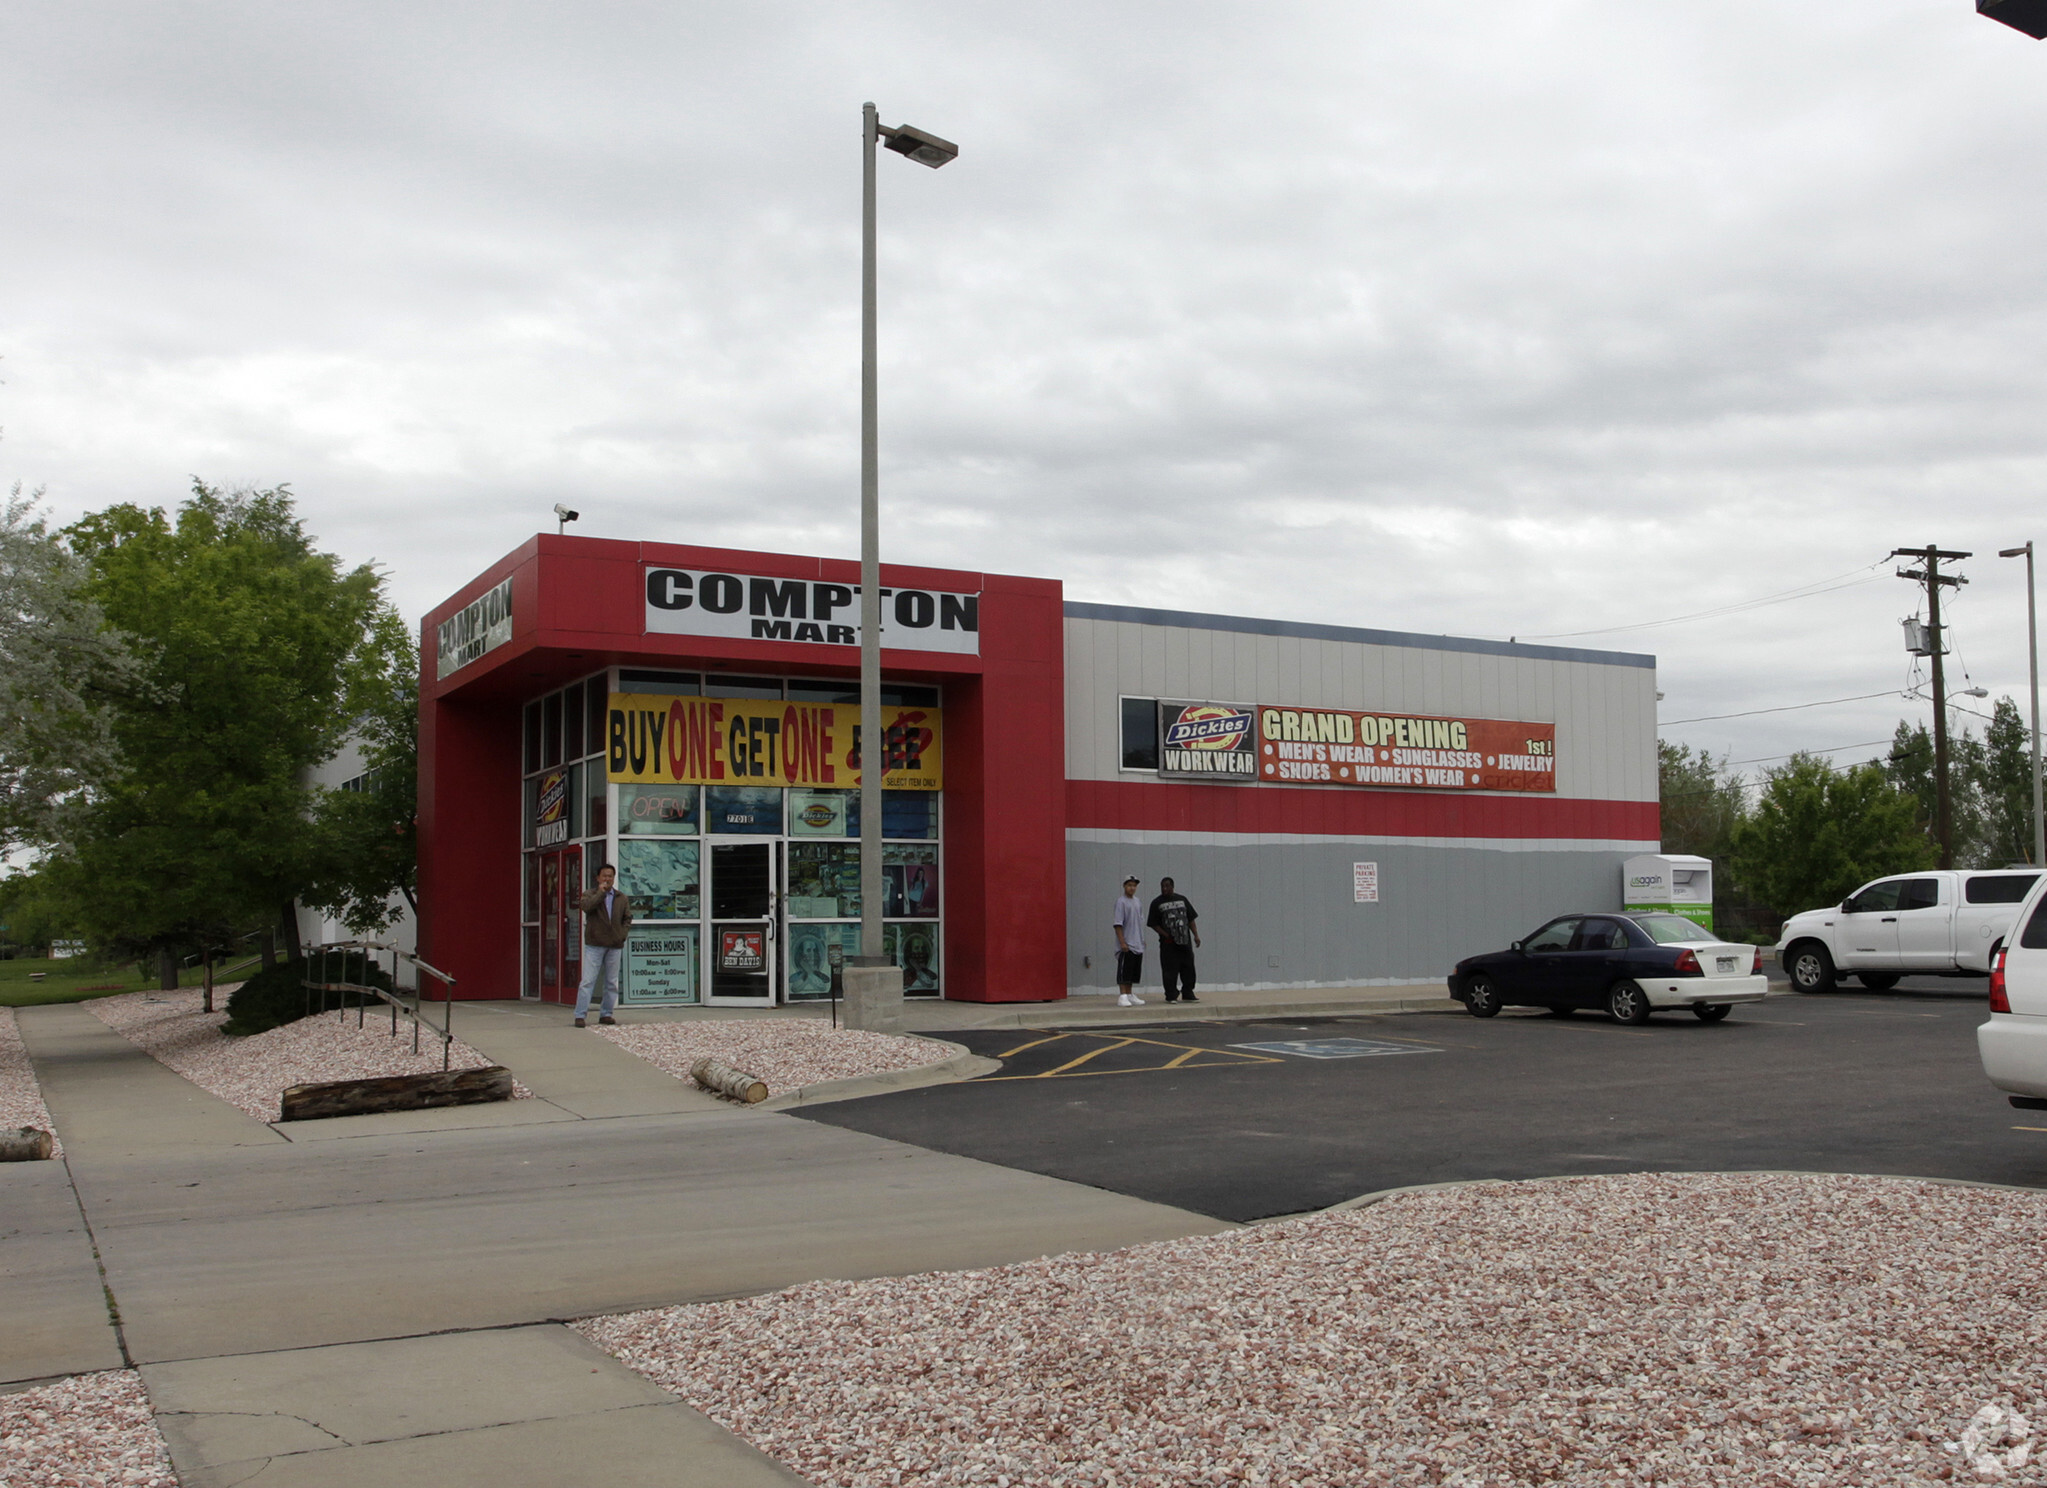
(504, 741)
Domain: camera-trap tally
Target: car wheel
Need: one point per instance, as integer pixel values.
(1711, 1012)
(1481, 997)
(1628, 1003)
(1877, 981)
(1810, 968)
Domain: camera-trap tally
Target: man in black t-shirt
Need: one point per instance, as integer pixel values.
(1173, 917)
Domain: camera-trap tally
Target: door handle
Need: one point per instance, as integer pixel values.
(1890, 919)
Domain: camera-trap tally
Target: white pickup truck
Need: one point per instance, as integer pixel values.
(1937, 923)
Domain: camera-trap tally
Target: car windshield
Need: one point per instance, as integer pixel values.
(1669, 929)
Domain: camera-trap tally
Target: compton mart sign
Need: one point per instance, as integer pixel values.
(757, 607)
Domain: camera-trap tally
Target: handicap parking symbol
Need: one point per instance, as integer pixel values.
(1334, 1048)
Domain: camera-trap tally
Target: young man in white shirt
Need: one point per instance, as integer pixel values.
(1127, 920)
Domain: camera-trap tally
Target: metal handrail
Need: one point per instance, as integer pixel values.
(411, 1009)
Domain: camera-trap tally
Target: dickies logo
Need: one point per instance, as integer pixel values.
(1209, 726)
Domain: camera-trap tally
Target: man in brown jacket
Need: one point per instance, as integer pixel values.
(606, 915)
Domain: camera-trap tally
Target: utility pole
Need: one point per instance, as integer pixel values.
(1930, 575)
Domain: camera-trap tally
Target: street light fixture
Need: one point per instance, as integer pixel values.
(2029, 16)
(925, 149)
(2033, 658)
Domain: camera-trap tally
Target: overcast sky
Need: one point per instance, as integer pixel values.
(1509, 317)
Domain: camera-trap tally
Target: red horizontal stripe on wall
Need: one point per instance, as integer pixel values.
(1140, 806)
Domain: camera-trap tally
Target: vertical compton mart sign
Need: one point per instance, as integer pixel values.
(754, 607)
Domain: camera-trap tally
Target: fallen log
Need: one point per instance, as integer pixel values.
(25, 1144)
(726, 1080)
(397, 1093)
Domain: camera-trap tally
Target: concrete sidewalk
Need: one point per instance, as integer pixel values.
(537, 1407)
(277, 1288)
(937, 1016)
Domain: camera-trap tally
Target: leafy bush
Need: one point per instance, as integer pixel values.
(277, 994)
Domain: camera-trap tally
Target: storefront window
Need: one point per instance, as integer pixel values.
(821, 813)
(572, 721)
(909, 881)
(824, 880)
(915, 949)
(531, 733)
(742, 687)
(907, 815)
(658, 810)
(810, 958)
(661, 964)
(551, 731)
(594, 711)
(1140, 733)
(681, 684)
(661, 877)
(743, 810)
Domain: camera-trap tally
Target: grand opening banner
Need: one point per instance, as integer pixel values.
(1328, 746)
(660, 739)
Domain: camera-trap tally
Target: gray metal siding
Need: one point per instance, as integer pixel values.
(1605, 711)
(1291, 904)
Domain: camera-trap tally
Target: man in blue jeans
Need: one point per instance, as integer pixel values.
(606, 916)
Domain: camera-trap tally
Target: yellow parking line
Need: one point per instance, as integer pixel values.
(1105, 1048)
(2029, 1128)
(1051, 1038)
(1149, 1069)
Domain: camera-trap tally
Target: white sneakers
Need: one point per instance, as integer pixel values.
(1129, 999)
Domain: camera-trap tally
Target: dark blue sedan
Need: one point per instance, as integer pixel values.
(1628, 964)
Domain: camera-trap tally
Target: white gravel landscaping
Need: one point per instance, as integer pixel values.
(1760, 1330)
(21, 1098)
(254, 1072)
(88, 1431)
(784, 1052)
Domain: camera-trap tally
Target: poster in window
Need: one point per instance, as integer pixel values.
(811, 972)
(824, 880)
(915, 949)
(742, 950)
(661, 965)
(909, 881)
(820, 813)
(660, 875)
(551, 811)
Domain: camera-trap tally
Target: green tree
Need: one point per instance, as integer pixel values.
(1818, 832)
(60, 669)
(369, 838)
(1702, 802)
(254, 644)
(2007, 787)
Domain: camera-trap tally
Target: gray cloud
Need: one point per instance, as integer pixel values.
(1504, 319)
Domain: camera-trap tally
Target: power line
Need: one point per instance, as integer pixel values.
(1853, 577)
(1787, 708)
(1765, 759)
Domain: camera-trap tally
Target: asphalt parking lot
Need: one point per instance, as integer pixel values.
(1244, 1121)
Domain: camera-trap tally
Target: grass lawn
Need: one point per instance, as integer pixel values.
(75, 980)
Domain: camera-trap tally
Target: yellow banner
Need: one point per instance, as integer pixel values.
(656, 738)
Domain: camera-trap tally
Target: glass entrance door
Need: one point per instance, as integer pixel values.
(560, 947)
(744, 930)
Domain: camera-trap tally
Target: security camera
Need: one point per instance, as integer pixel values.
(564, 513)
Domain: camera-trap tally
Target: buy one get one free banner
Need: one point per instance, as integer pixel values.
(656, 738)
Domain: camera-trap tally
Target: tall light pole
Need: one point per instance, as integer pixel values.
(2033, 658)
(925, 149)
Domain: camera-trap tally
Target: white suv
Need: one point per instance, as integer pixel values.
(2014, 1042)
(1938, 923)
